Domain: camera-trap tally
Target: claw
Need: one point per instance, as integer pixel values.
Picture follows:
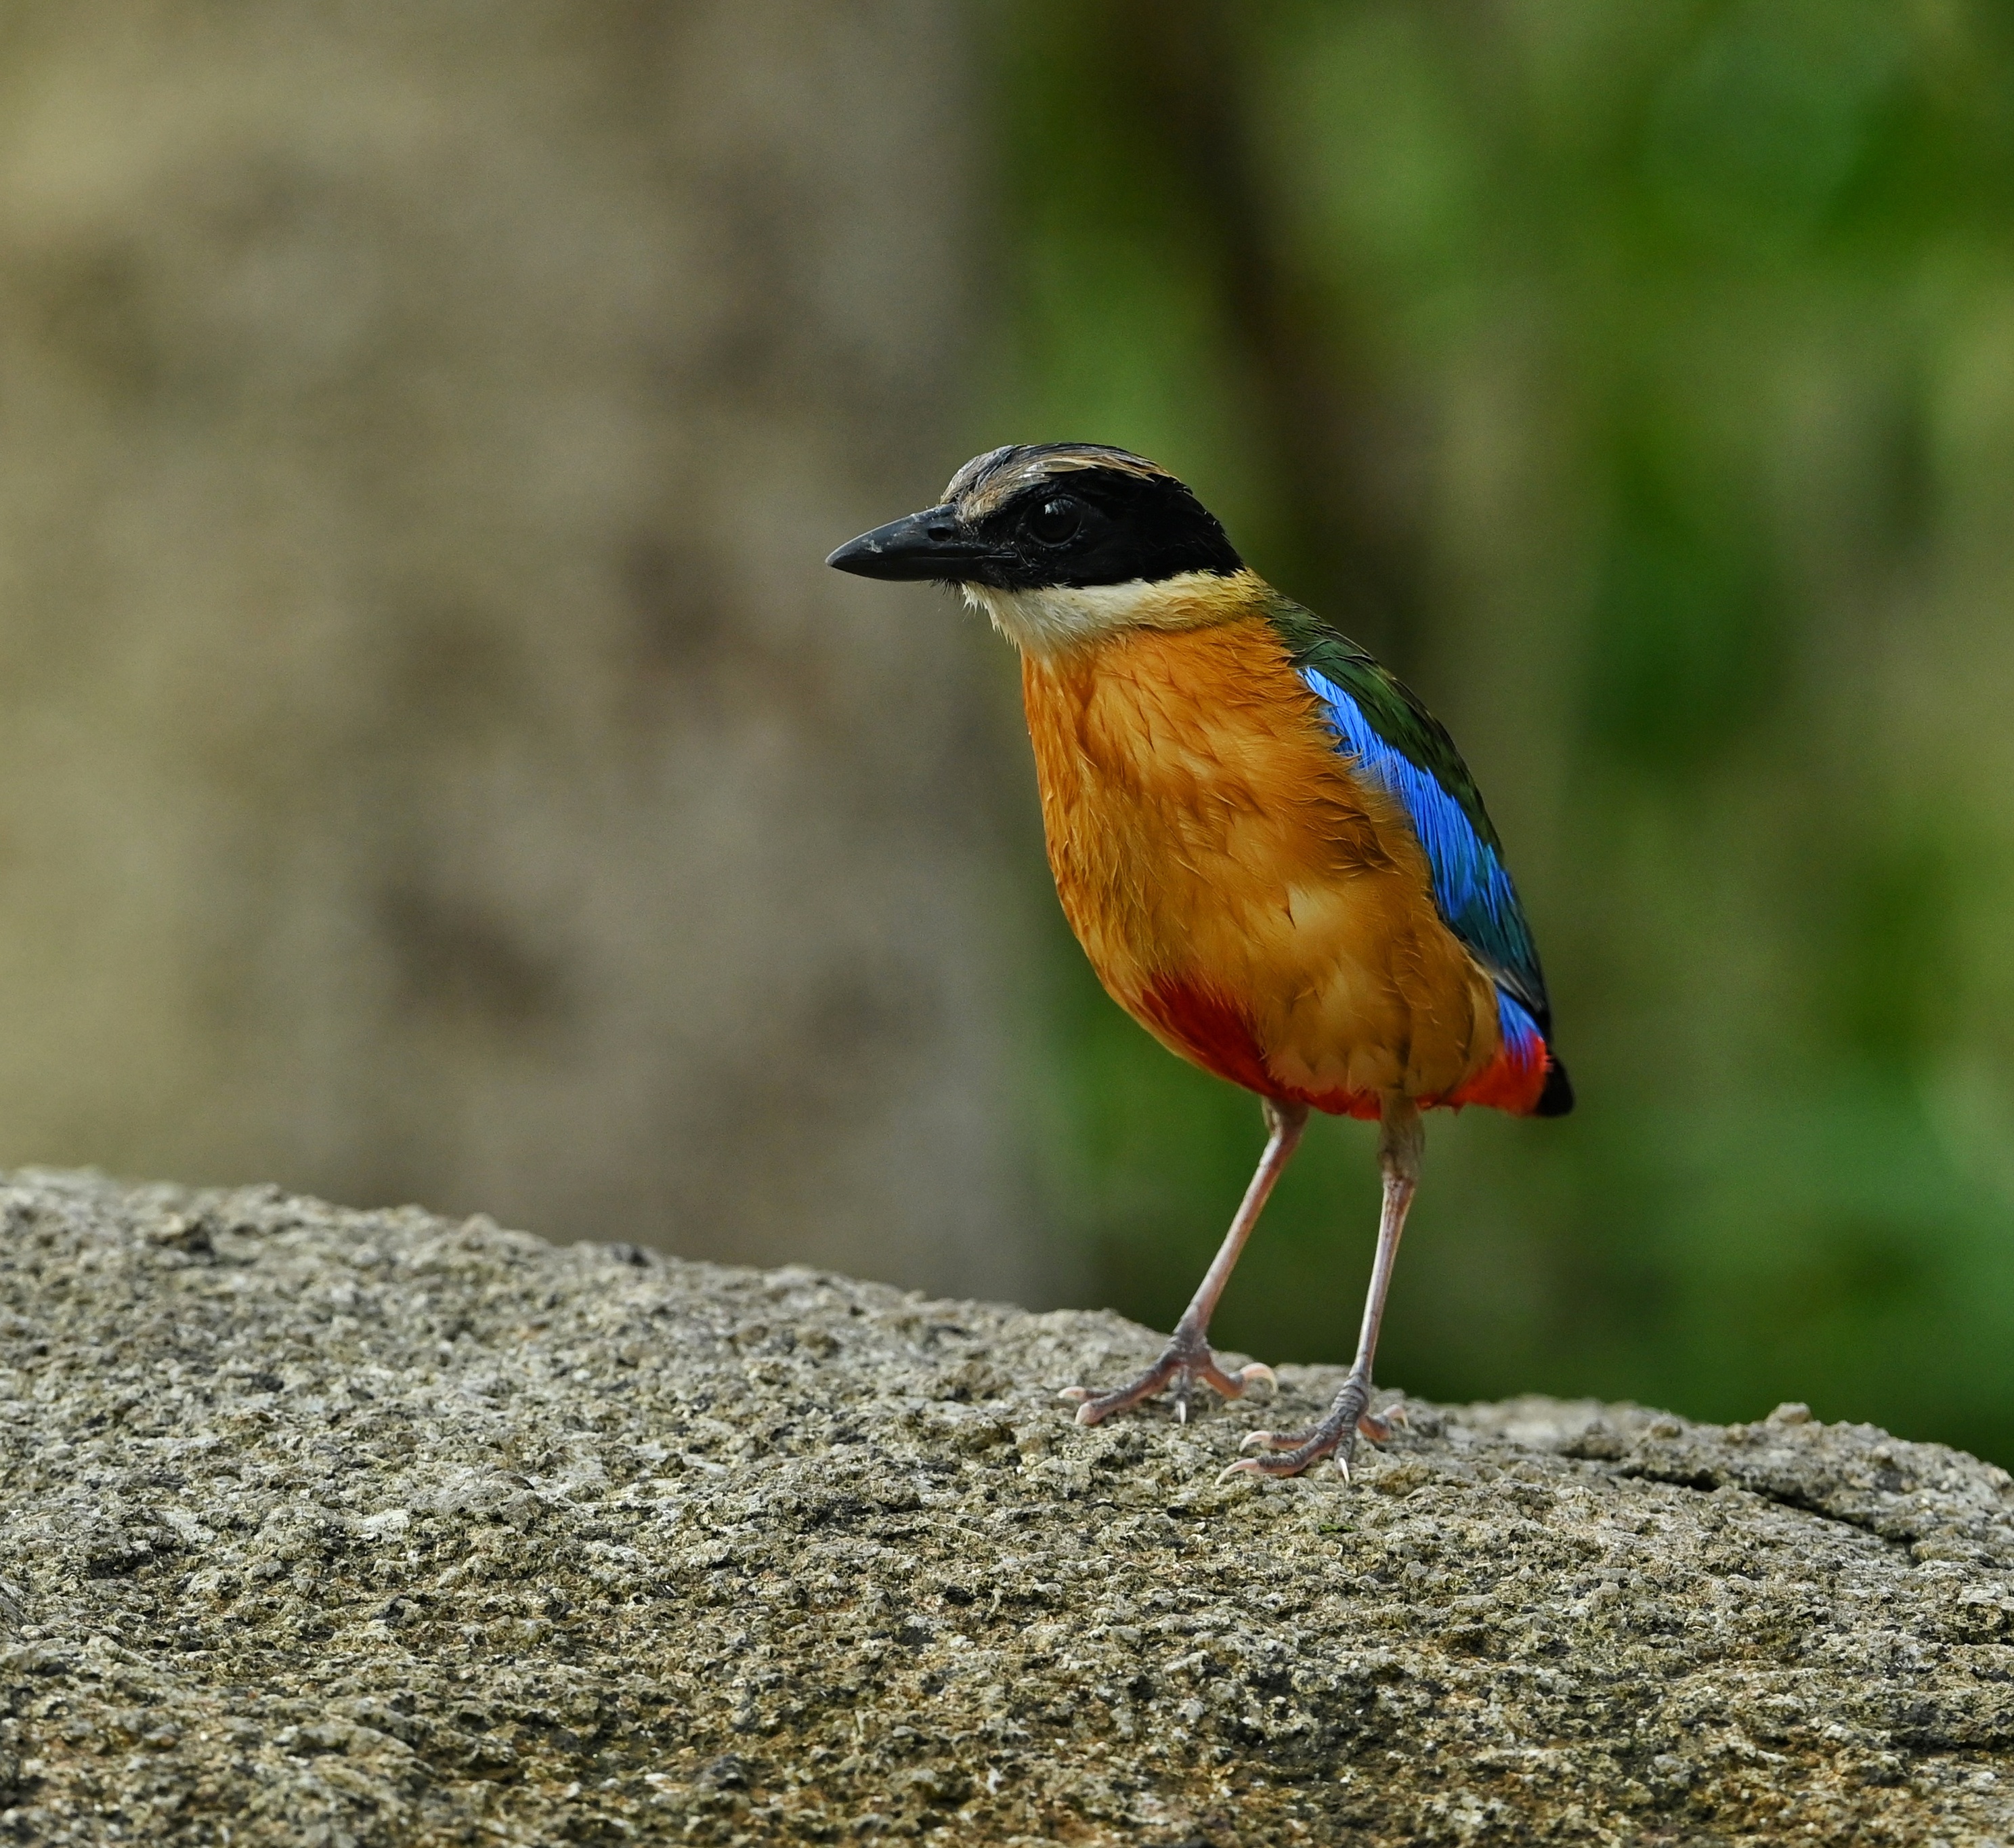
(1258, 1440)
(1079, 1393)
(1257, 1370)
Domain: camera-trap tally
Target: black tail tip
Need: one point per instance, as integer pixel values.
(1557, 1099)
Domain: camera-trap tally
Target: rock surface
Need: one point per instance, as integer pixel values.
(332, 1527)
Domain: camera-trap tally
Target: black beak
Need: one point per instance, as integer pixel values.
(934, 543)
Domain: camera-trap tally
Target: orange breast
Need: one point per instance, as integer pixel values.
(1239, 892)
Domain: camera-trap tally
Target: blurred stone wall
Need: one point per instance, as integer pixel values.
(434, 762)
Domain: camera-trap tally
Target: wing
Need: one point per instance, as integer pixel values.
(1401, 747)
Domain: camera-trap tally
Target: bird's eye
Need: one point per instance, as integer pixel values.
(1055, 522)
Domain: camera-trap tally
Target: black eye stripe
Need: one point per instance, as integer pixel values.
(1127, 526)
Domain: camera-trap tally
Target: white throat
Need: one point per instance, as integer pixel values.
(1064, 617)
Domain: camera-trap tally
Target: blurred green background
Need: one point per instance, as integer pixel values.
(1639, 381)
(436, 764)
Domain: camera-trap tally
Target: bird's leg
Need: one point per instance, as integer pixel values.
(1400, 1140)
(1188, 1357)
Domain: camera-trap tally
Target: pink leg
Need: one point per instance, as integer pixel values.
(1188, 1357)
(1400, 1144)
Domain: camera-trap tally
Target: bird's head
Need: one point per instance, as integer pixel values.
(1061, 543)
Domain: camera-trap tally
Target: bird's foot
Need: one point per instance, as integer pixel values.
(1187, 1359)
(1335, 1436)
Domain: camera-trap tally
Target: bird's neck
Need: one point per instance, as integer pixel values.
(1064, 619)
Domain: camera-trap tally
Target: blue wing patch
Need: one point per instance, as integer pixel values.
(1517, 1029)
(1472, 891)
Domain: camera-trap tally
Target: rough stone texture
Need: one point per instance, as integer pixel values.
(331, 1527)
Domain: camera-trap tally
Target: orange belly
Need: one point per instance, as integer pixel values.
(1241, 894)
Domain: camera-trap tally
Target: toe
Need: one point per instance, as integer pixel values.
(1379, 1425)
(1230, 1385)
(1278, 1439)
(1292, 1454)
(1223, 1384)
(1289, 1465)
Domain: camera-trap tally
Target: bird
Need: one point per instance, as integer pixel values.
(1271, 852)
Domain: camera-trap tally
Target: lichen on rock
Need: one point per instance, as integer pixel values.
(373, 1528)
